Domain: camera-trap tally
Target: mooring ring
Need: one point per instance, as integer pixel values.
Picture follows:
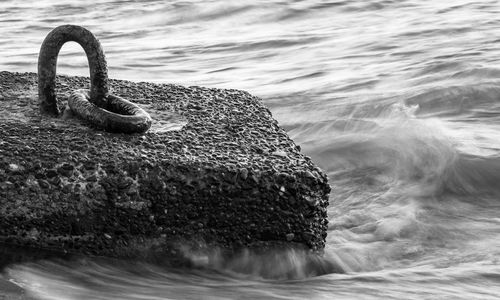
(120, 116)
(96, 105)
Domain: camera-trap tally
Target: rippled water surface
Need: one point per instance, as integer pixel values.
(398, 101)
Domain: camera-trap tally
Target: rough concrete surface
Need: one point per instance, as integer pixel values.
(214, 169)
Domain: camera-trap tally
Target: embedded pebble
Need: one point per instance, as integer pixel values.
(280, 153)
(14, 167)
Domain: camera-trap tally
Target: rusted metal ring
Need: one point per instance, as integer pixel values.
(96, 106)
(120, 116)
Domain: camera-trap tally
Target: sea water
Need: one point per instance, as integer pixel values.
(398, 101)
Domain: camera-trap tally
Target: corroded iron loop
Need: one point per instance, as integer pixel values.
(96, 106)
(47, 64)
(121, 115)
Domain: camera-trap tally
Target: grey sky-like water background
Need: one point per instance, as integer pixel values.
(398, 101)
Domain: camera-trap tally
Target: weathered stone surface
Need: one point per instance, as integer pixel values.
(215, 169)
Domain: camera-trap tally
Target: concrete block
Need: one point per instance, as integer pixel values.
(214, 169)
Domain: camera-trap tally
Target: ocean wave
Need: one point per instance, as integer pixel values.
(402, 185)
(458, 101)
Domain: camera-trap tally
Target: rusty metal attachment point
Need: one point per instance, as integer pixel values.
(97, 106)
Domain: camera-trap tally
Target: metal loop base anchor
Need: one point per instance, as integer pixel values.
(120, 116)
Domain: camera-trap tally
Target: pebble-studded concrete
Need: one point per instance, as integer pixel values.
(215, 169)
